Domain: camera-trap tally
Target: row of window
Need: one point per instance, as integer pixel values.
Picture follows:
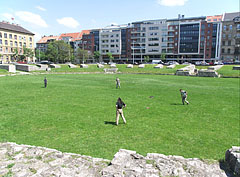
(112, 35)
(15, 43)
(9, 50)
(11, 36)
(112, 40)
(228, 51)
(106, 46)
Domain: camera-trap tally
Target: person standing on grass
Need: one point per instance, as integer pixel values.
(118, 83)
(184, 96)
(45, 82)
(119, 106)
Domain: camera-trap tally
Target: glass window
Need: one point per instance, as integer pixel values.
(6, 42)
(30, 39)
(229, 51)
(11, 43)
(229, 36)
(5, 35)
(224, 27)
(0, 35)
(20, 38)
(16, 44)
(10, 36)
(229, 42)
(223, 50)
(230, 27)
(15, 37)
(0, 41)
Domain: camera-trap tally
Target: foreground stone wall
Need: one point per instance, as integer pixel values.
(23, 67)
(23, 160)
(186, 71)
(9, 68)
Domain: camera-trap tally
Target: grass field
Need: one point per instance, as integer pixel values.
(76, 113)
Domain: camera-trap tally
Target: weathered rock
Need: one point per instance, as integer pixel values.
(141, 66)
(130, 66)
(72, 66)
(54, 66)
(110, 70)
(158, 66)
(113, 65)
(83, 66)
(42, 67)
(186, 71)
(23, 67)
(232, 158)
(100, 66)
(171, 66)
(25, 160)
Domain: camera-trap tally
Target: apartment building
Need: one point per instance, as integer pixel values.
(230, 37)
(13, 36)
(110, 40)
(148, 38)
(42, 44)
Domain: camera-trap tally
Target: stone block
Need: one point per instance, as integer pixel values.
(42, 67)
(207, 73)
(130, 66)
(100, 66)
(83, 66)
(171, 66)
(236, 68)
(232, 158)
(215, 67)
(9, 68)
(72, 66)
(110, 70)
(158, 66)
(54, 66)
(141, 66)
(27, 68)
(113, 66)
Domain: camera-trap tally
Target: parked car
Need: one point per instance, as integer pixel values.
(218, 63)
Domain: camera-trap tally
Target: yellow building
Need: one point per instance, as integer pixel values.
(12, 37)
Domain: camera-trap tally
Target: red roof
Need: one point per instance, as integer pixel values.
(45, 39)
(79, 37)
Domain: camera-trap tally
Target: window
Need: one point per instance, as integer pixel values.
(176, 32)
(223, 50)
(224, 27)
(117, 35)
(16, 44)
(153, 39)
(153, 28)
(223, 42)
(20, 38)
(15, 37)
(224, 36)
(30, 45)
(229, 51)
(6, 42)
(20, 44)
(230, 27)
(229, 43)
(11, 43)
(0, 35)
(229, 36)
(112, 45)
(5, 35)
(24, 44)
(238, 28)
(0, 49)
(0, 41)
(30, 39)
(112, 40)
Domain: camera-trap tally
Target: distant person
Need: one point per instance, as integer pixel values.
(184, 96)
(119, 106)
(118, 83)
(45, 82)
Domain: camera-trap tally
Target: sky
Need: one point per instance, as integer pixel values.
(53, 17)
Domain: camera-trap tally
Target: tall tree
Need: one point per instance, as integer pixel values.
(146, 59)
(27, 53)
(15, 54)
(96, 56)
(163, 56)
(40, 55)
(109, 54)
(81, 54)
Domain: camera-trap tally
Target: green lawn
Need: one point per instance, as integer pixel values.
(3, 72)
(227, 71)
(76, 113)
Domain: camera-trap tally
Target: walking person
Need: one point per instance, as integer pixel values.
(118, 83)
(184, 96)
(45, 82)
(119, 110)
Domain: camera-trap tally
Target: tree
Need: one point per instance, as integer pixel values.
(81, 54)
(15, 54)
(40, 55)
(59, 51)
(109, 54)
(146, 59)
(96, 56)
(27, 53)
(163, 56)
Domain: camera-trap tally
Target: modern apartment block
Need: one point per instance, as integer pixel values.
(230, 37)
(13, 36)
(113, 40)
(148, 38)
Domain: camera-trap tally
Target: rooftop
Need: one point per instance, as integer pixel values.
(14, 27)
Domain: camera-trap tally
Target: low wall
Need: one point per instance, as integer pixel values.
(27, 68)
(42, 67)
(54, 66)
(215, 67)
(236, 68)
(9, 68)
(207, 73)
(186, 71)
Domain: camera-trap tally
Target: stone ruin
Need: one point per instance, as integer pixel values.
(160, 66)
(24, 160)
(171, 66)
(236, 68)
(186, 71)
(83, 66)
(9, 68)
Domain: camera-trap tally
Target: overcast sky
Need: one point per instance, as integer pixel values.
(53, 17)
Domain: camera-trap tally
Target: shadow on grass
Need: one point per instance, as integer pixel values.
(176, 104)
(108, 122)
(225, 167)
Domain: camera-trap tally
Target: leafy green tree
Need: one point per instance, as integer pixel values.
(96, 56)
(146, 59)
(163, 56)
(15, 54)
(59, 51)
(27, 53)
(109, 54)
(40, 55)
(81, 54)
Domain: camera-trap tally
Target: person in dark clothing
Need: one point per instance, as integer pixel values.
(184, 96)
(45, 82)
(119, 106)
